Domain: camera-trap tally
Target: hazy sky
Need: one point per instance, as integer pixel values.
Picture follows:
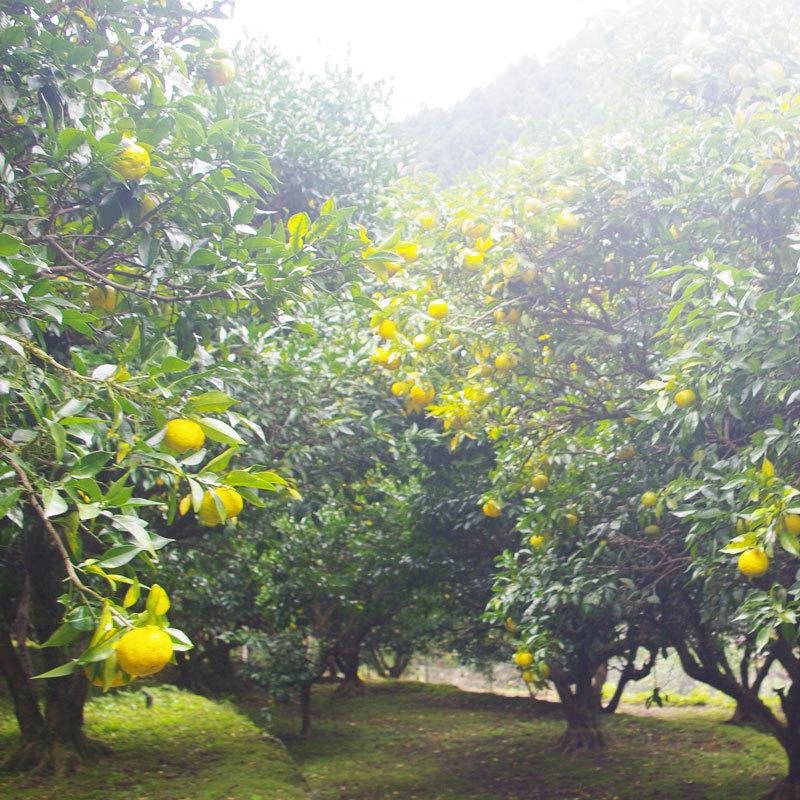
(432, 51)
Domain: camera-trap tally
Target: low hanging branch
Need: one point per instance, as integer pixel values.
(33, 498)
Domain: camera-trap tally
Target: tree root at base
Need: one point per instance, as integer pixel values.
(59, 758)
(581, 738)
(784, 791)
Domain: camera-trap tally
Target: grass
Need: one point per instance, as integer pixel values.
(422, 742)
(182, 748)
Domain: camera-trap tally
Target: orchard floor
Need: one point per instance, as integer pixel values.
(422, 742)
(409, 741)
(183, 747)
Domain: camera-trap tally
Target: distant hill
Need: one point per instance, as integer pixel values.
(614, 69)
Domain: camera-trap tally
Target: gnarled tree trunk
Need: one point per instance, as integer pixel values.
(53, 741)
(581, 707)
(305, 708)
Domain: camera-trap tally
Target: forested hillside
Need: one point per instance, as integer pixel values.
(617, 66)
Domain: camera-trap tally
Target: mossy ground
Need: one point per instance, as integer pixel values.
(184, 747)
(402, 740)
(422, 742)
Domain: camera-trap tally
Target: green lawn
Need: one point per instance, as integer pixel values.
(402, 740)
(420, 742)
(182, 748)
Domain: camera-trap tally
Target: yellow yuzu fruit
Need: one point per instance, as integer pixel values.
(133, 162)
(685, 398)
(792, 523)
(183, 434)
(753, 563)
(523, 658)
(649, 499)
(492, 508)
(438, 309)
(231, 500)
(540, 481)
(144, 651)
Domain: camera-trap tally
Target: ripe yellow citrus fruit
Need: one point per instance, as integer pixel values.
(685, 398)
(652, 530)
(184, 505)
(386, 358)
(391, 362)
(571, 519)
(792, 523)
(536, 541)
(438, 309)
(422, 341)
(492, 508)
(567, 192)
(133, 162)
(523, 658)
(626, 453)
(533, 206)
(399, 388)
(472, 259)
(426, 220)
(772, 71)
(649, 499)
(567, 222)
(387, 329)
(505, 362)
(119, 679)
(144, 651)
(753, 563)
(221, 71)
(232, 501)
(528, 676)
(421, 395)
(511, 626)
(540, 481)
(184, 434)
(102, 298)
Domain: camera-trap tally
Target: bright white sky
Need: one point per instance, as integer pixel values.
(432, 52)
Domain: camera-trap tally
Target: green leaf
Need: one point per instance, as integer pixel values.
(788, 542)
(9, 245)
(63, 635)
(54, 503)
(69, 140)
(209, 403)
(58, 672)
(132, 595)
(219, 431)
(90, 464)
(221, 461)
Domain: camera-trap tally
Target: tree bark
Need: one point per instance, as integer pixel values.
(305, 708)
(629, 673)
(53, 742)
(26, 705)
(789, 788)
(581, 710)
(583, 730)
(399, 666)
(349, 659)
